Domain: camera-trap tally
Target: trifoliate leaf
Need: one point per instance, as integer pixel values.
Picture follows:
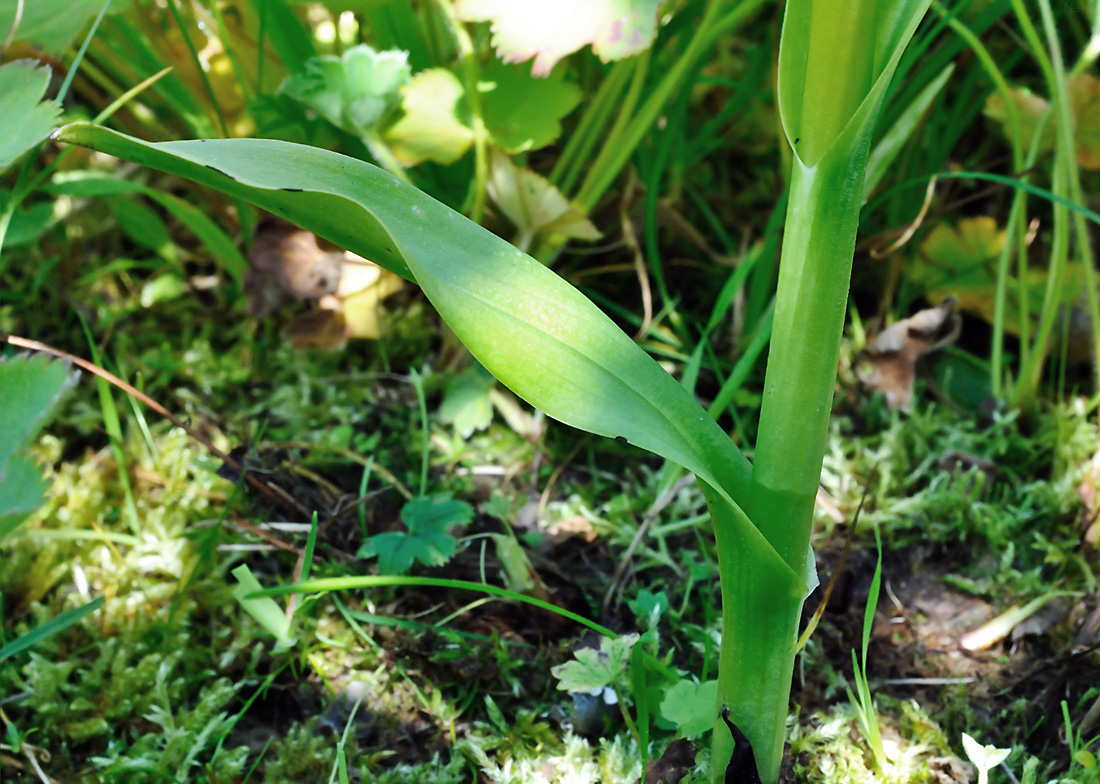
(430, 128)
(690, 706)
(593, 669)
(428, 540)
(27, 118)
(523, 29)
(354, 92)
(521, 112)
(466, 403)
(534, 205)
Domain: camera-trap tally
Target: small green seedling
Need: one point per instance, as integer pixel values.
(985, 758)
(428, 540)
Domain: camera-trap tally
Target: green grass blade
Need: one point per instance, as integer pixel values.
(50, 627)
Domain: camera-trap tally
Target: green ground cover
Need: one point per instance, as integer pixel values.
(491, 595)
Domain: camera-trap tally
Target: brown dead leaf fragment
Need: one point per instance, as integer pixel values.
(673, 765)
(285, 263)
(890, 359)
(288, 263)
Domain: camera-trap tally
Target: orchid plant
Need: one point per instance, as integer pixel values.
(553, 347)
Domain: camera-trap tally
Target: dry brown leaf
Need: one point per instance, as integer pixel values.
(889, 361)
(673, 765)
(288, 263)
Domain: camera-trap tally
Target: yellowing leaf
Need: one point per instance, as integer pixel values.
(363, 287)
(1029, 108)
(1084, 97)
(430, 129)
(1084, 100)
(961, 260)
(534, 205)
(523, 29)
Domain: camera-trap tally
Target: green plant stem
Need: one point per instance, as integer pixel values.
(384, 155)
(759, 631)
(811, 301)
(1065, 126)
(1015, 229)
(473, 98)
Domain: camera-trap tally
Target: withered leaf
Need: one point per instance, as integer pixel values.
(889, 361)
(673, 765)
(284, 263)
(742, 768)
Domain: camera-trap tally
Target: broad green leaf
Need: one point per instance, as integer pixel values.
(550, 31)
(864, 43)
(527, 326)
(593, 669)
(29, 388)
(354, 92)
(27, 118)
(428, 540)
(690, 706)
(429, 128)
(521, 112)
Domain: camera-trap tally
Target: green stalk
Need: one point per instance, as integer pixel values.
(836, 59)
(811, 302)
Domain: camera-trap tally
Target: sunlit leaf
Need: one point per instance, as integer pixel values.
(593, 669)
(529, 327)
(429, 128)
(466, 403)
(27, 118)
(534, 205)
(354, 92)
(522, 112)
(523, 29)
